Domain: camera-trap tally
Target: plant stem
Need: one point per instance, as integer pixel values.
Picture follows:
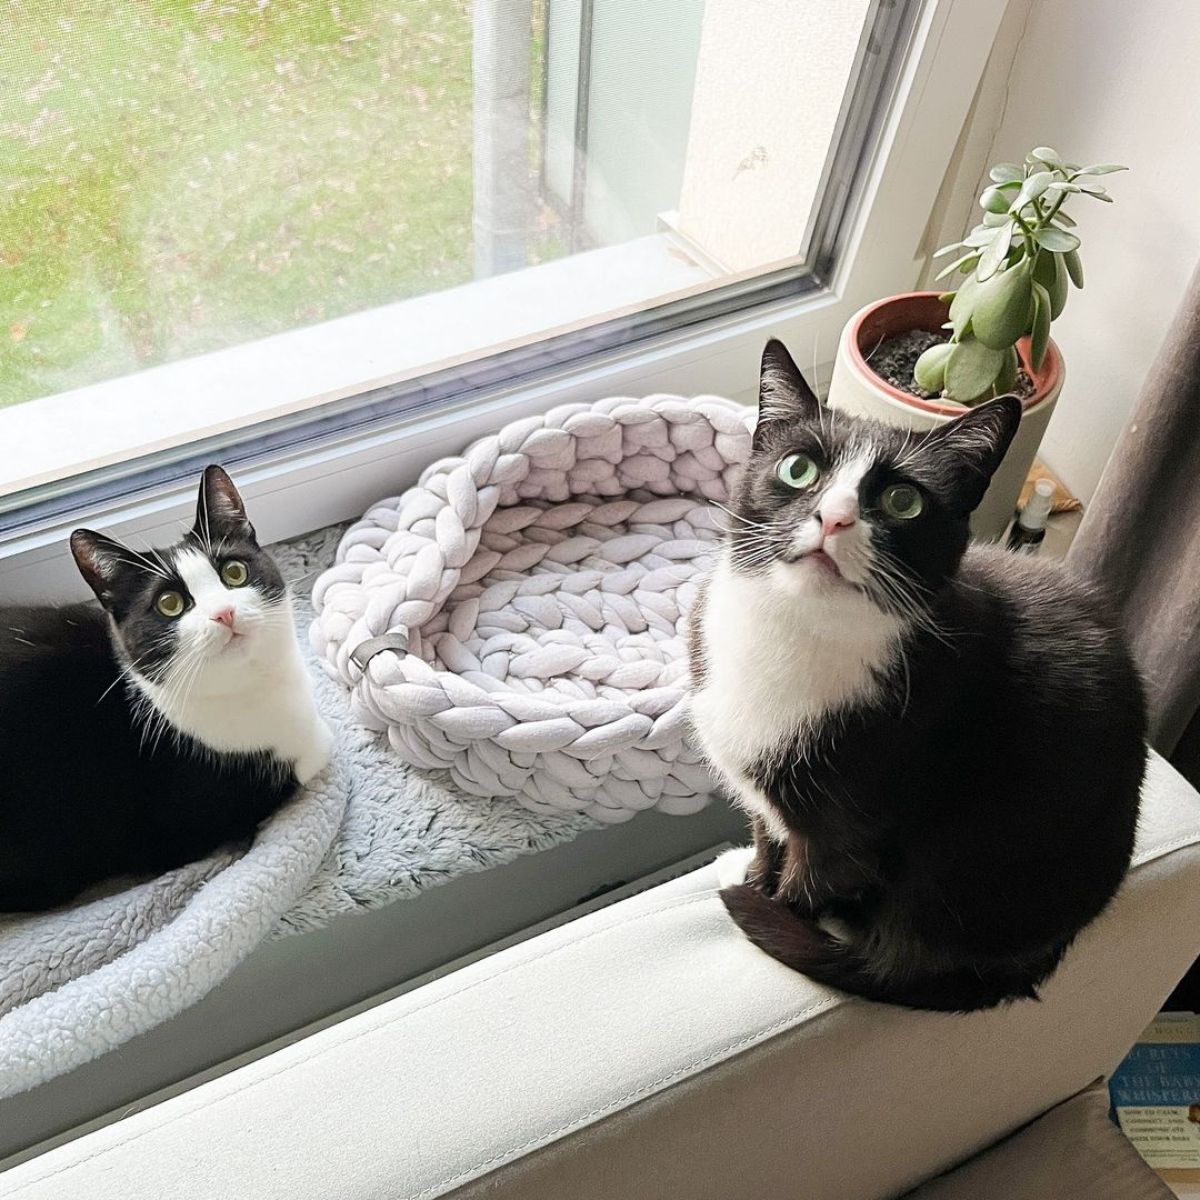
(1057, 205)
(1030, 244)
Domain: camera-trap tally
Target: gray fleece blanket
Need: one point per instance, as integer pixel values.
(79, 981)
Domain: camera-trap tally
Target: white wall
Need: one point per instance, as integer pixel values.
(1102, 81)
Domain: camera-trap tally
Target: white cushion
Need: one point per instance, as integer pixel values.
(447, 1083)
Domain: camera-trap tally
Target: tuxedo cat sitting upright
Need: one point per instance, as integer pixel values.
(941, 746)
(145, 733)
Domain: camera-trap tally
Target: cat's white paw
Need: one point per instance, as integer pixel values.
(733, 865)
(316, 756)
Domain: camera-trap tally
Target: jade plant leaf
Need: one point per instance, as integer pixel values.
(966, 263)
(995, 254)
(1074, 265)
(1039, 337)
(1058, 240)
(1007, 378)
(1000, 311)
(962, 304)
(979, 237)
(971, 369)
(1052, 275)
(1031, 189)
(994, 200)
(929, 372)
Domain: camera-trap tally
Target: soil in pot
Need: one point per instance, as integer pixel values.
(894, 358)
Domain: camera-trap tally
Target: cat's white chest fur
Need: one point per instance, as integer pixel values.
(261, 700)
(276, 714)
(778, 658)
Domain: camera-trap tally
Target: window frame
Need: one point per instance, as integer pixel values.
(302, 476)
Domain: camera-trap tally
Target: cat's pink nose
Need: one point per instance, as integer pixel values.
(837, 517)
(838, 509)
(224, 616)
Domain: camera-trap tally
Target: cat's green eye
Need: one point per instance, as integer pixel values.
(170, 604)
(235, 573)
(798, 471)
(901, 501)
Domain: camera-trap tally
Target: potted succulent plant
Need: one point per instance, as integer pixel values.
(917, 359)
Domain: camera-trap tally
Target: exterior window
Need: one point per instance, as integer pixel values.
(223, 215)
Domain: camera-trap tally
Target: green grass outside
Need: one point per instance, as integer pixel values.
(177, 177)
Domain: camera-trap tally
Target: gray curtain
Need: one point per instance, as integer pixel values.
(1141, 536)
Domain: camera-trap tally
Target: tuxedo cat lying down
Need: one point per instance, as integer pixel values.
(145, 733)
(941, 747)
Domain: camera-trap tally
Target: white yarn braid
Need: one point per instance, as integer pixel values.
(541, 584)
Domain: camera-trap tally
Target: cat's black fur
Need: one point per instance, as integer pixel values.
(969, 820)
(87, 790)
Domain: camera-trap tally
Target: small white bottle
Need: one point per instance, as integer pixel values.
(1029, 528)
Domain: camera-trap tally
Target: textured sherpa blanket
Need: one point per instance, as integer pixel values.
(79, 981)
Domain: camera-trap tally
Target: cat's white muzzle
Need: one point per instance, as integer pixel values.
(819, 560)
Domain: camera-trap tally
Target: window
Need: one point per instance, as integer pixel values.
(251, 229)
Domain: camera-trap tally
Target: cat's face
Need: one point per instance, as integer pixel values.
(204, 613)
(831, 507)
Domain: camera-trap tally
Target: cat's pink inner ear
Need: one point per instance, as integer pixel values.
(220, 503)
(783, 392)
(98, 559)
(223, 497)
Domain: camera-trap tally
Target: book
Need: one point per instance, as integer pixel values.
(1155, 1095)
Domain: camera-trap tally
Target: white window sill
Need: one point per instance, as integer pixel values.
(171, 405)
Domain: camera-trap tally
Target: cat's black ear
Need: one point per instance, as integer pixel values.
(219, 509)
(965, 452)
(783, 394)
(100, 561)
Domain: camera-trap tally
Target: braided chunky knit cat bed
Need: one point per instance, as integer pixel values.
(519, 616)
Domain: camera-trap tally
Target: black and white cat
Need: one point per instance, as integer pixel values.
(145, 733)
(942, 747)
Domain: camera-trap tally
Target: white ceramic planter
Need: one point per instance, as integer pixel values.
(857, 390)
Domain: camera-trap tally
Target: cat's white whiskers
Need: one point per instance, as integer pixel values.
(166, 566)
(179, 681)
(902, 659)
(152, 560)
(141, 563)
(826, 432)
(205, 524)
(778, 523)
(905, 595)
(187, 686)
(908, 452)
(127, 670)
(758, 554)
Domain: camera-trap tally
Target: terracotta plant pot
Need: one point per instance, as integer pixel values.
(857, 390)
